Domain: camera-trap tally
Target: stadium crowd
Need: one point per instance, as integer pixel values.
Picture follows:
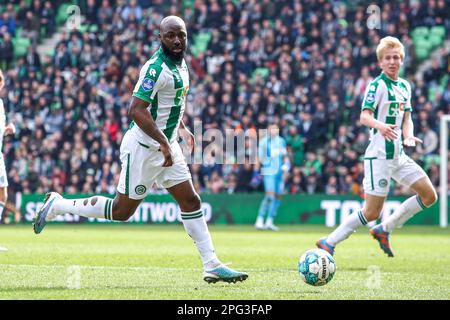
(302, 64)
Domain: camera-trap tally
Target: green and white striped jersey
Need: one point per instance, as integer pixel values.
(164, 84)
(389, 100)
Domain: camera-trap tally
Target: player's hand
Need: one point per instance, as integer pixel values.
(10, 129)
(167, 153)
(188, 137)
(411, 141)
(388, 132)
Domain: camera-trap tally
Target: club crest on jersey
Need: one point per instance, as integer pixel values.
(147, 84)
(370, 97)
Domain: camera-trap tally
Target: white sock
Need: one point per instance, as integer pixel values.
(88, 207)
(403, 213)
(196, 227)
(346, 228)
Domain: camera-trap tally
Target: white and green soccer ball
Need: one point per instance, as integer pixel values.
(316, 267)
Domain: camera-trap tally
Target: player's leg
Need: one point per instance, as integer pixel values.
(121, 208)
(371, 211)
(376, 186)
(3, 198)
(273, 208)
(411, 175)
(3, 201)
(269, 198)
(135, 177)
(195, 225)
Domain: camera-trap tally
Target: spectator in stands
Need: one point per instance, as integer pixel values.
(7, 20)
(32, 27)
(48, 19)
(6, 50)
(430, 141)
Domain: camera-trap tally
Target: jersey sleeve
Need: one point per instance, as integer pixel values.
(408, 106)
(372, 97)
(151, 80)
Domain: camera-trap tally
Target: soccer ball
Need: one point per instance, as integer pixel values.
(316, 267)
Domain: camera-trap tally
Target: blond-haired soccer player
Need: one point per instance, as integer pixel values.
(386, 110)
(4, 130)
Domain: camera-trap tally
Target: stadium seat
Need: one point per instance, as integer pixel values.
(423, 48)
(200, 43)
(189, 4)
(432, 92)
(435, 40)
(61, 15)
(438, 31)
(83, 28)
(421, 53)
(419, 33)
(20, 46)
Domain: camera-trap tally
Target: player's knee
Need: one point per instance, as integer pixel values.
(3, 196)
(190, 202)
(430, 198)
(121, 214)
(371, 214)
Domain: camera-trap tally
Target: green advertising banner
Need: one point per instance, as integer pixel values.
(243, 209)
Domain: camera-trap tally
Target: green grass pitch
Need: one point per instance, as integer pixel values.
(160, 262)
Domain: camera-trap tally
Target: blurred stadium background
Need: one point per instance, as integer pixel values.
(303, 64)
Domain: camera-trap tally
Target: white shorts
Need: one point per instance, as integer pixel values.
(3, 176)
(378, 174)
(142, 167)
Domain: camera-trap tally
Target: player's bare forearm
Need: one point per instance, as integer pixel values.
(409, 139)
(386, 130)
(139, 113)
(366, 118)
(408, 126)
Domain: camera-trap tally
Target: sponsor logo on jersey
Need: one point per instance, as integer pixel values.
(370, 97)
(383, 183)
(140, 189)
(152, 72)
(147, 84)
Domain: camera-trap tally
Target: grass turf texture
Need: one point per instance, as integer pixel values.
(161, 262)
